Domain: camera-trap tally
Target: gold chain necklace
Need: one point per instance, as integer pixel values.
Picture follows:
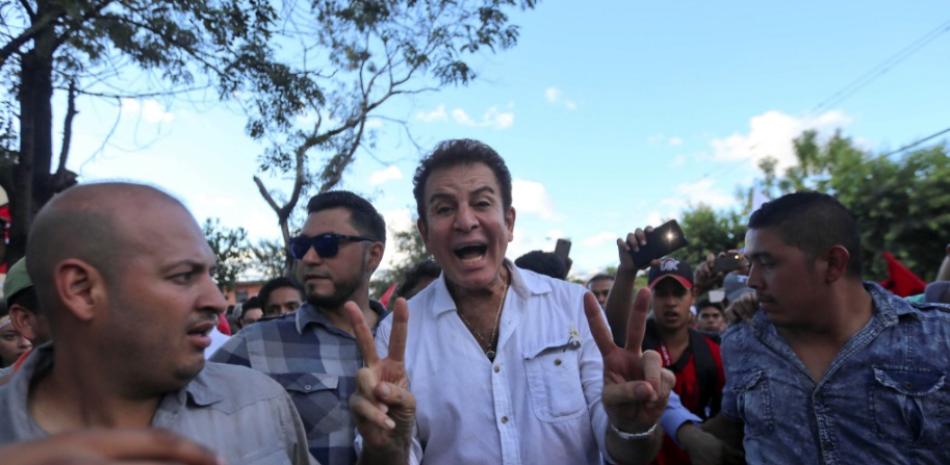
(488, 346)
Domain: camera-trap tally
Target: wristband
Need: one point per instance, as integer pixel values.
(633, 436)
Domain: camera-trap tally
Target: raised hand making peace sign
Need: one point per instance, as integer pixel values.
(636, 386)
(382, 405)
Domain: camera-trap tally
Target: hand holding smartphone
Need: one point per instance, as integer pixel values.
(661, 241)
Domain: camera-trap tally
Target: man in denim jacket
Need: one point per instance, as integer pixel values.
(831, 370)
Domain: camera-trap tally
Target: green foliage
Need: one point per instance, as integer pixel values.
(230, 249)
(902, 203)
(268, 259)
(709, 232)
(408, 245)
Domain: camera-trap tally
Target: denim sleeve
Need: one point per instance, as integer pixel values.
(730, 355)
(675, 415)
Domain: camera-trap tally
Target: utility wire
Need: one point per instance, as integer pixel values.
(911, 145)
(880, 69)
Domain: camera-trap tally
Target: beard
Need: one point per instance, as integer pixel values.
(343, 290)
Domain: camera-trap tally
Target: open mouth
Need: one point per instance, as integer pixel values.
(470, 252)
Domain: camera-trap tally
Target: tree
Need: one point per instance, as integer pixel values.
(709, 232)
(92, 48)
(902, 204)
(230, 249)
(335, 61)
(269, 258)
(378, 51)
(408, 245)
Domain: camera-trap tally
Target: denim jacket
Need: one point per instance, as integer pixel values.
(885, 398)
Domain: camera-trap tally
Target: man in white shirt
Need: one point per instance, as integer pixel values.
(502, 363)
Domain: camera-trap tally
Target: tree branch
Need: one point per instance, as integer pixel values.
(67, 128)
(35, 28)
(29, 10)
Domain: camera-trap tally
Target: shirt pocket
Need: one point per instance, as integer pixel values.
(275, 457)
(554, 381)
(317, 398)
(754, 402)
(910, 405)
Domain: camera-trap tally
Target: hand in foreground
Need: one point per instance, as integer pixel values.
(636, 386)
(705, 449)
(109, 447)
(382, 405)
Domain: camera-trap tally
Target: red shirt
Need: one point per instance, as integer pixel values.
(687, 387)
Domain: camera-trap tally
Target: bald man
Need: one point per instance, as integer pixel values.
(122, 271)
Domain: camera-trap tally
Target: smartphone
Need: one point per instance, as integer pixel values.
(727, 262)
(662, 241)
(563, 249)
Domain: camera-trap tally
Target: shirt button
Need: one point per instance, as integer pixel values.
(504, 420)
(557, 362)
(307, 387)
(497, 368)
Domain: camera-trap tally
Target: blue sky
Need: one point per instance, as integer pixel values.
(611, 115)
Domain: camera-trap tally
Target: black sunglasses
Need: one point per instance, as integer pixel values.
(327, 245)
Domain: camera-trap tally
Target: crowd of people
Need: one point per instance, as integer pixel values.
(119, 347)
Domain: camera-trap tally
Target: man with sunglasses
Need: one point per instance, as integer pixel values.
(312, 352)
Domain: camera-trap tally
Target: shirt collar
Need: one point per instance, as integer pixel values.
(308, 314)
(524, 284)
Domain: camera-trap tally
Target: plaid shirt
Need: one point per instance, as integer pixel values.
(316, 363)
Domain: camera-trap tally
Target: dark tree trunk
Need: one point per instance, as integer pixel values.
(33, 182)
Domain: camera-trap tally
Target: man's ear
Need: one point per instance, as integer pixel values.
(838, 259)
(510, 222)
(376, 251)
(80, 287)
(423, 232)
(23, 321)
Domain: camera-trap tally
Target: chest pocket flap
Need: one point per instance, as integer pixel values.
(554, 380)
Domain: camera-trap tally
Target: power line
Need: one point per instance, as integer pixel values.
(880, 69)
(912, 144)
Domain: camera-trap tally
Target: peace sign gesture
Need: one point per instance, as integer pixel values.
(636, 386)
(382, 405)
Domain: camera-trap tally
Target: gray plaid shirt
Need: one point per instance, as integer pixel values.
(316, 362)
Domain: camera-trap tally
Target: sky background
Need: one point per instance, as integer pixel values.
(611, 115)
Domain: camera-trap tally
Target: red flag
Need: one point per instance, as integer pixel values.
(388, 295)
(901, 281)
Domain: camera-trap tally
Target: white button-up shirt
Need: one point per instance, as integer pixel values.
(540, 401)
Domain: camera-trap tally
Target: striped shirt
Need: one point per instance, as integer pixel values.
(316, 363)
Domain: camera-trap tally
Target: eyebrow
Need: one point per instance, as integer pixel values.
(192, 264)
(476, 192)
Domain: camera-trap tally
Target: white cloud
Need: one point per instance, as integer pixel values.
(396, 220)
(493, 118)
(556, 96)
(600, 239)
(531, 197)
(374, 123)
(770, 135)
(661, 139)
(391, 173)
(654, 218)
(702, 191)
(678, 161)
(150, 110)
(432, 116)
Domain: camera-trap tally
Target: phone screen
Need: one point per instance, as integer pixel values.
(662, 241)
